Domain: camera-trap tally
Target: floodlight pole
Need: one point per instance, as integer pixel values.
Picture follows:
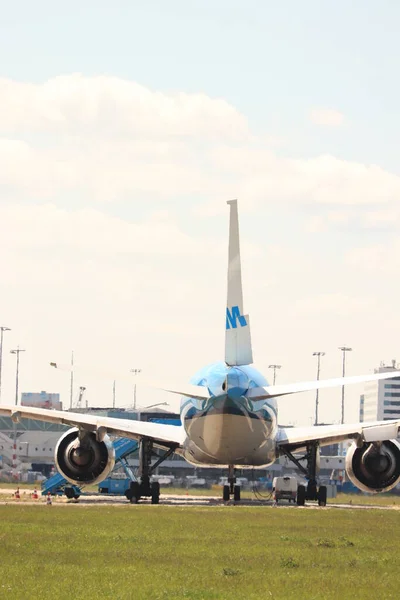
(14, 459)
(318, 355)
(274, 367)
(135, 372)
(17, 352)
(71, 385)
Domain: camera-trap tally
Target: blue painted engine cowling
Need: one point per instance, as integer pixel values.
(87, 462)
(375, 467)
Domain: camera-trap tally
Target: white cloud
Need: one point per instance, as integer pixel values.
(112, 140)
(261, 176)
(336, 304)
(389, 217)
(381, 258)
(112, 106)
(327, 117)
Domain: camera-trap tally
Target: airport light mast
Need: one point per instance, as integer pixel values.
(318, 355)
(17, 351)
(274, 367)
(135, 372)
(71, 382)
(2, 330)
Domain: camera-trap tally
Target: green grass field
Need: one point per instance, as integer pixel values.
(162, 552)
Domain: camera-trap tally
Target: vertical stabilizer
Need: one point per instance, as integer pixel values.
(237, 337)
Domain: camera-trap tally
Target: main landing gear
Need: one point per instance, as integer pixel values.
(143, 487)
(231, 489)
(311, 491)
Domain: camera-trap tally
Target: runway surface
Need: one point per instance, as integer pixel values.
(178, 500)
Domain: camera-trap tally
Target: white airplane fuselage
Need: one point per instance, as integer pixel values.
(229, 428)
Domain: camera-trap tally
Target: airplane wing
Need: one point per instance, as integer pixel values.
(160, 433)
(374, 431)
(272, 391)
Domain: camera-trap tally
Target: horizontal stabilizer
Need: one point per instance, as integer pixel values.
(182, 389)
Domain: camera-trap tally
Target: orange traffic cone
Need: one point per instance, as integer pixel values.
(49, 501)
(35, 494)
(17, 495)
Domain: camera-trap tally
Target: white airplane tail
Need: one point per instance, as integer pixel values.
(237, 337)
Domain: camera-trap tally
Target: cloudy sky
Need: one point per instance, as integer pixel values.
(125, 127)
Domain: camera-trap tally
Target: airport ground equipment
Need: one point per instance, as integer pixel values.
(117, 484)
(311, 491)
(284, 488)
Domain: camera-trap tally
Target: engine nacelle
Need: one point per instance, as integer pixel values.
(83, 459)
(375, 467)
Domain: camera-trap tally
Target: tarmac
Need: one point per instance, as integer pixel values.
(6, 498)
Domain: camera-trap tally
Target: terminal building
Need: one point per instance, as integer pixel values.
(381, 399)
(41, 400)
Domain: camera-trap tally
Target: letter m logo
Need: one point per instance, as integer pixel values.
(233, 316)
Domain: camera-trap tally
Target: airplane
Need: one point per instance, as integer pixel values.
(229, 419)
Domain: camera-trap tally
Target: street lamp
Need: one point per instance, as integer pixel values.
(17, 352)
(71, 381)
(274, 367)
(2, 330)
(318, 355)
(135, 372)
(14, 459)
(344, 349)
(158, 404)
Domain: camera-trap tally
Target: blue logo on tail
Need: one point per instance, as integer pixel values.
(232, 317)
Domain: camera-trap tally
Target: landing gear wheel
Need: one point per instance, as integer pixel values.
(155, 492)
(301, 495)
(236, 493)
(226, 493)
(70, 492)
(312, 491)
(134, 492)
(322, 495)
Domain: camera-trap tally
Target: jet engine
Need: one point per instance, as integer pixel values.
(375, 466)
(82, 459)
